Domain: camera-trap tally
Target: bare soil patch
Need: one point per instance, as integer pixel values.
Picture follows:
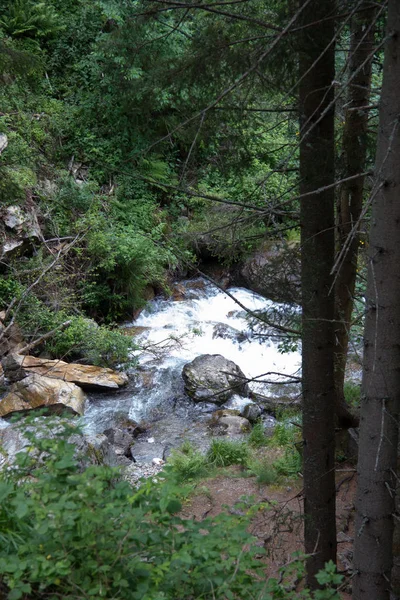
(278, 523)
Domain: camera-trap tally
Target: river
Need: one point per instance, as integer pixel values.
(171, 333)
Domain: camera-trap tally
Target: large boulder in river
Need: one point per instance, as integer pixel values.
(43, 392)
(213, 378)
(274, 272)
(16, 367)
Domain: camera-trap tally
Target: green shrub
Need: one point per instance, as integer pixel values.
(223, 453)
(9, 289)
(83, 339)
(287, 435)
(286, 432)
(24, 18)
(263, 470)
(257, 437)
(188, 464)
(290, 464)
(66, 534)
(96, 344)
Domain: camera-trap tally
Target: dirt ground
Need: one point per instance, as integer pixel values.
(278, 527)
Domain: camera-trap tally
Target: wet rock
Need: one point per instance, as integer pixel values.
(130, 426)
(221, 330)
(274, 272)
(121, 440)
(144, 451)
(100, 451)
(18, 228)
(229, 422)
(3, 142)
(43, 392)
(146, 378)
(196, 284)
(273, 404)
(17, 367)
(251, 412)
(89, 450)
(167, 451)
(211, 377)
(188, 290)
(179, 293)
(133, 330)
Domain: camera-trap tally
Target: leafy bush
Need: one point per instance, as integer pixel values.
(188, 464)
(223, 453)
(83, 339)
(287, 436)
(290, 464)
(96, 344)
(9, 289)
(257, 437)
(67, 534)
(266, 474)
(27, 18)
(284, 434)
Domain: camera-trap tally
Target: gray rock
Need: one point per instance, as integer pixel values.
(144, 451)
(121, 440)
(211, 377)
(228, 422)
(18, 229)
(91, 449)
(251, 412)
(274, 272)
(272, 404)
(234, 425)
(3, 142)
(221, 330)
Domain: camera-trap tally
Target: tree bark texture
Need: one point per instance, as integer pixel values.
(350, 199)
(317, 241)
(375, 501)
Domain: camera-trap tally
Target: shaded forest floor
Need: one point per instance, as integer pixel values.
(278, 522)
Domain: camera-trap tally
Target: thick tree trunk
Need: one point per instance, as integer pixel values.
(375, 500)
(350, 200)
(317, 241)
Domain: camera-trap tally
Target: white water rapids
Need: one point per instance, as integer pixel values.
(172, 333)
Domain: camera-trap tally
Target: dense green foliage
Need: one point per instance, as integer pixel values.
(89, 93)
(68, 533)
(125, 133)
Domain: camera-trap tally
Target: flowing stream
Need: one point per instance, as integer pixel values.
(171, 333)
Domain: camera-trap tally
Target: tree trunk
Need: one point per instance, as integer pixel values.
(317, 242)
(350, 200)
(375, 500)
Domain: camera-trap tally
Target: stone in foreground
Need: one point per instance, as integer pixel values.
(16, 367)
(228, 422)
(213, 378)
(43, 392)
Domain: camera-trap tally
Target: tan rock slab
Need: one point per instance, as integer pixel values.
(43, 392)
(17, 367)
